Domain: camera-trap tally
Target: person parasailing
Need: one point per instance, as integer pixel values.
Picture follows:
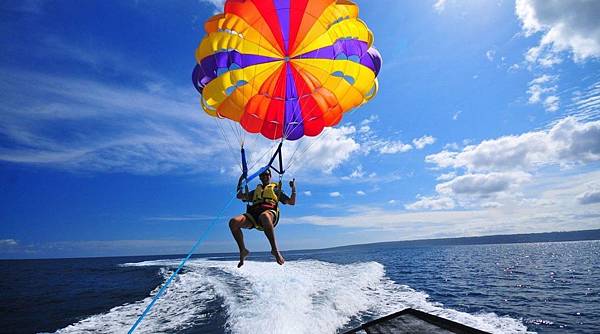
(262, 214)
(283, 71)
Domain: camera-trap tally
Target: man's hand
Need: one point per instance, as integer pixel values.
(293, 184)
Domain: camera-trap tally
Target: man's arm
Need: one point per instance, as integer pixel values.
(241, 193)
(291, 200)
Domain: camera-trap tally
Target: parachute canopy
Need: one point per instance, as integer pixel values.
(286, 68)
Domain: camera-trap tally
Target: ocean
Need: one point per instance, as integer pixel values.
(507, 288)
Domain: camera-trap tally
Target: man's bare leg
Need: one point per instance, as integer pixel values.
(266, 220)
(235, 225)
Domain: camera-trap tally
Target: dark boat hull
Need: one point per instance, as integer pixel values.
(415, 322)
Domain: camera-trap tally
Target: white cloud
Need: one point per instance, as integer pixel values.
(551, 208)
(451, 146)
(446, 176)
(552, 103)
(394, 147)
(491, 205)
(307, 193)
(431, 203)
(392, 201)
(8, 243)
(571, 26)
(219, 4)
(325, 206)
(369, 120)
(456, 114)
(134, 130)
(335, 194)
(539, 90)
(483, 184)
(439, 5)
(589, 197)
(567, 142)
(324, 153)
(369, 142)
(360, 193)
(420, 143)
(490, 54)
(358, 173)
(586, 102)
(499, 170)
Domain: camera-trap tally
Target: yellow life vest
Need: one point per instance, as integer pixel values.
(266, 194)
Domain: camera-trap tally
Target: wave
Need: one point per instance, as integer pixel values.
(307, 296)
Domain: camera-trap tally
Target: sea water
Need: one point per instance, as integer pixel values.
(511, 288)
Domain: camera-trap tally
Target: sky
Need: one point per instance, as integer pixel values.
(487, 121)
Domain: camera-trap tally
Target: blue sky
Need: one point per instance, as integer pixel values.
(486, 122)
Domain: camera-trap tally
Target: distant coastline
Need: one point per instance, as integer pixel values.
(489, 239)
(480, 240)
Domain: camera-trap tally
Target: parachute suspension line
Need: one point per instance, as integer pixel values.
(269, 165)
(290, 161)
(230, 147)
(318, 138)
(236, 130)
(267, 150)
(181, 265)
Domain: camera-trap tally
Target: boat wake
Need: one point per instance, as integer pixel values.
(306, 296)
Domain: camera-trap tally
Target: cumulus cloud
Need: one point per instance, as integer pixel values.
(446, 176)
(553, 209)
(326, 152)
(589, 197)
(552, 103)
(490, 54)
(497, 170)
(360, 193)
(483, 184)
(431, 203)
(570, 26)
(536, 87)
(420, 143)
(569, 141)
(451, 146)
(335, 194)
(394, 147)
(307, 193)
(540, 90)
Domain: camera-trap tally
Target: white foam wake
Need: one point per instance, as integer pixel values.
(300, 297)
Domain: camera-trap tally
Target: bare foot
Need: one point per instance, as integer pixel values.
(278, 257)
(243, 254)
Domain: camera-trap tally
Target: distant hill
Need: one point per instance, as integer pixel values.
(490, 239)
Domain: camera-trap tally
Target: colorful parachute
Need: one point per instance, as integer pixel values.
(286, 68)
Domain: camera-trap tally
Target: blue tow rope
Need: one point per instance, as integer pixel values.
(210, 226)
(181, 265)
